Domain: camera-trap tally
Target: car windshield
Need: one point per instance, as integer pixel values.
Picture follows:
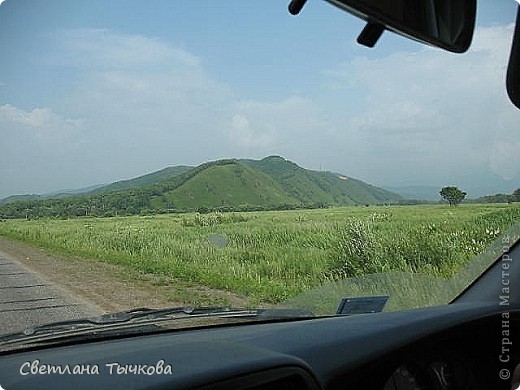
(228, 154)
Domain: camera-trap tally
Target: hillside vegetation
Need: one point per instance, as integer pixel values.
(148, 179)
(321, 188)
(225, 185)
(500, 198)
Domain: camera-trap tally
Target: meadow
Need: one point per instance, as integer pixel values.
(271, 256)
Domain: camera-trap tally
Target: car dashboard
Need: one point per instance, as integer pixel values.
(457, 346)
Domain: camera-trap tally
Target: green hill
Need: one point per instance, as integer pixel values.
(18, 198)
(325, 188)
(268, 184)
(150, 178)
(224, 185)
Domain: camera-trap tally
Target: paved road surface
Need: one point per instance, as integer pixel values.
(28, 299)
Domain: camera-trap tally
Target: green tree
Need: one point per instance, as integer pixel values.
(516, 195)
(453, 195)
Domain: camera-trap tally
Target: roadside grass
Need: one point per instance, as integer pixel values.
(179, 291)
(272, 256)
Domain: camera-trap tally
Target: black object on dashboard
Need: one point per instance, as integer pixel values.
(362, 305)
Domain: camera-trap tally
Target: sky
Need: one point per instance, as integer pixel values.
(99, 91)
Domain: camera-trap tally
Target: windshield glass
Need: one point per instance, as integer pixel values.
(230, 154)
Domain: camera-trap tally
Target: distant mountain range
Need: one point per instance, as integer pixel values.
(428, 193)
(232, 184)
(50, 195)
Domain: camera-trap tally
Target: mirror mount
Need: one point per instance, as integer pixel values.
(295, 6)
(370, 34)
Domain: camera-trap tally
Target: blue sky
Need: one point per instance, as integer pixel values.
(93, 92)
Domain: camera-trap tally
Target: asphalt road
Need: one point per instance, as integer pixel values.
(28, 299)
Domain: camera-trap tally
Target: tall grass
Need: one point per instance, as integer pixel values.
(272, 256)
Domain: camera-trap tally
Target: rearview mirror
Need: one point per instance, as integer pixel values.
(441, 23)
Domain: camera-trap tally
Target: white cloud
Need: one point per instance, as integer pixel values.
(38, 147)
(105, 49)
(437, 112)
(146, 103)
(292, 127)
(135, 68)
(244, 136)
(504, 158)
(166, 93)
(38, 117)
(42, 122)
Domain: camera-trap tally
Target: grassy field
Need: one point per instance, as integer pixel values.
(273, 256)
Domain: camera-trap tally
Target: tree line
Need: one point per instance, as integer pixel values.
(501, 198)
(148, 200)
(454, 196)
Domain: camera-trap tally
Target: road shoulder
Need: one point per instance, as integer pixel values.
(110, 287)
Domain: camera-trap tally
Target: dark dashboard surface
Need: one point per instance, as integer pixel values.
(457, 346)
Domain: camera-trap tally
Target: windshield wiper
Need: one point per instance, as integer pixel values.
(144, 316)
